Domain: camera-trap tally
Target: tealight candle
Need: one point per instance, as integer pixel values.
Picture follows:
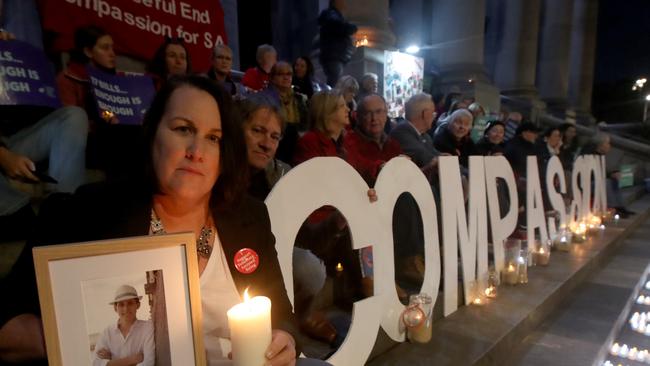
(250, 330)
(615, 349)
(640, 300)
(491, 292)
(641, 356)
(623, 351)
(632, 354)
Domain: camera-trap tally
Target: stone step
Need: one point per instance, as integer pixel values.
(486, 335)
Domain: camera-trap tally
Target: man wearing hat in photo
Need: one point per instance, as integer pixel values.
(130, 341)
(521, 146)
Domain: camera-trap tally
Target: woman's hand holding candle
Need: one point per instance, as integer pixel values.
(282, 350)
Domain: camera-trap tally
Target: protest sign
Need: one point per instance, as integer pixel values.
(127, 97)
(26, 76)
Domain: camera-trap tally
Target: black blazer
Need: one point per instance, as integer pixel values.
(108, 211)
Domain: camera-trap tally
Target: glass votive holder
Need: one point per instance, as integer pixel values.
(417, 318)
(542, 253)
(475, 293)
(522, 266)
(579, 233)
(510, 275)
(562, 241)
(491, 284)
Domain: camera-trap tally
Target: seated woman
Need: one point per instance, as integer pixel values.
(325, 232)
(492, 141)
(111, 146)
(454, 138)
(93, 47)
(303, 77)
(171, 58)
(194, 180)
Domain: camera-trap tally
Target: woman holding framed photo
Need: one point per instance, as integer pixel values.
(194, 180)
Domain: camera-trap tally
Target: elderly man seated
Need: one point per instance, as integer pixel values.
(369, 137)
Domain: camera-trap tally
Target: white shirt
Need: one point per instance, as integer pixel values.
(139, 339)
(218, 295)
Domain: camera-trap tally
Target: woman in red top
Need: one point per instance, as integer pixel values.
(329, 115)
(94, 46)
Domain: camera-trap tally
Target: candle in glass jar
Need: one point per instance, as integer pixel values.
(542, 257)
(250, 330)
(491, 292)
(510, 275)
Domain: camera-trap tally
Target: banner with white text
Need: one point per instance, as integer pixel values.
(138, 27)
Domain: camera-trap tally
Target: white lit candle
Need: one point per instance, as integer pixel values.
(623, 351)
(615, 349)
(250, 330)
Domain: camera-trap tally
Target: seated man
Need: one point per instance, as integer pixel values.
(220, 70)
(420, 111)
(369, 138)
(33, 134)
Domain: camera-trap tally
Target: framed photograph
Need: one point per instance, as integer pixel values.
(132, 299)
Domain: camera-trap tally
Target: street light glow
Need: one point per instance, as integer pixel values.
(413, 49)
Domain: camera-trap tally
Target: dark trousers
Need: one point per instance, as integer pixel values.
(333, 70)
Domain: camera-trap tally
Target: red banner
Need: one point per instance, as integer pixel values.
(138, 27)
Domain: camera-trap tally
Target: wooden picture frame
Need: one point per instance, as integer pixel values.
(64, 273)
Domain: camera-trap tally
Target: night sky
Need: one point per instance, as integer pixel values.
(622, 56)
(623, 48)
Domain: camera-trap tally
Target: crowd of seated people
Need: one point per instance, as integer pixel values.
(205, 157)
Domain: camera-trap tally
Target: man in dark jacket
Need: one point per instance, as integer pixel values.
(336, 46)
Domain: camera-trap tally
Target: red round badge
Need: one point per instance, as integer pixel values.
(246, 260)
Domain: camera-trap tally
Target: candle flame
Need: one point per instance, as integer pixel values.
(541, 250)
(339, 267)
(246, 296)
(511, 268)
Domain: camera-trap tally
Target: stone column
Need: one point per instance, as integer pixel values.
(232, 29)
(408, 23)
(553, 60)
(457, 46)
(294, 26)
(516, 55)
(582, 58)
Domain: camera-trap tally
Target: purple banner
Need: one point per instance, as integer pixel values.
(125, 97)
(26, 76)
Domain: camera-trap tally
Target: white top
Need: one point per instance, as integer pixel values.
(218, 295)
(139, 339)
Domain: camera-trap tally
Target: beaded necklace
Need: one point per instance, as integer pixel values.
(203, 243)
